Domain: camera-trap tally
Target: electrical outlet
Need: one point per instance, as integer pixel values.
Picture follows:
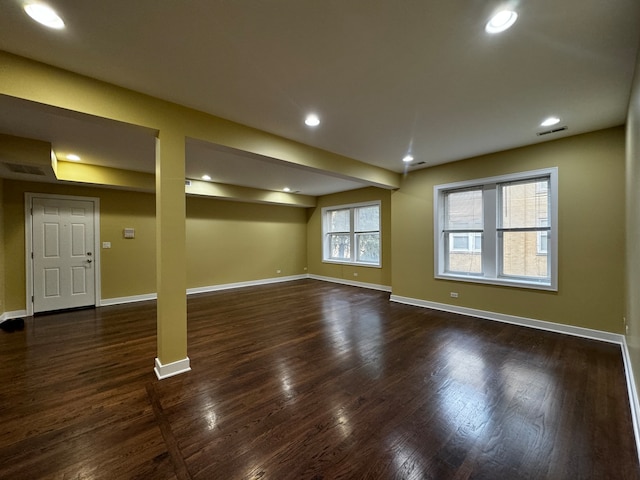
(278, 271)
(355, 274)
(454, 294)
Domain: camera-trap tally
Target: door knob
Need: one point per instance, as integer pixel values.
(89, 261)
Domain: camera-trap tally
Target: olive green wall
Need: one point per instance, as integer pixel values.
(591, 233)
(632, 287)
(371, 275)
(127, 268)
(229, 242)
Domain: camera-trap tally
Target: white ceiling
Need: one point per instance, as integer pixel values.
(386, 77)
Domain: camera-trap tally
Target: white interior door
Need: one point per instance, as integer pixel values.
(63, 257)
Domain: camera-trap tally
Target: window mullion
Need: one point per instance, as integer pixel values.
(352, 235)
(490, 241)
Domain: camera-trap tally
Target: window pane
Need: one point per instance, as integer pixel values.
(459, 242)
(463, 260)
(368, 245)
(464, 210)
(339, 247)
(543, 238)
(521, 255)
(367, 218)
(338, 220)
(525, 204)
(477, 242)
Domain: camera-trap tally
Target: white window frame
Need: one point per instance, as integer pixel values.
(490, 242)
(326, 256)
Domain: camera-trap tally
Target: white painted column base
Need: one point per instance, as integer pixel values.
(171, 369)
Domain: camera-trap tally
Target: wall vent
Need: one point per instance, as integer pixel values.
(25, 169)
(187, 183)
(555, 130)
(417, 164)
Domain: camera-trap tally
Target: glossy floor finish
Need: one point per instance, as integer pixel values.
(310, 380)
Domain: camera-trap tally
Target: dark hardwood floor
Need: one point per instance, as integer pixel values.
(310, 380)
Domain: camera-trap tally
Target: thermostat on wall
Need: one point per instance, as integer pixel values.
(129, 233)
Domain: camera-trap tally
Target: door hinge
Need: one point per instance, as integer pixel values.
(32, 255)
(31, 298)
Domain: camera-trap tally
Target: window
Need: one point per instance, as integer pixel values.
(351, 234)
(500, 230)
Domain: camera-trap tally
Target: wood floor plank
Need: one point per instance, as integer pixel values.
(310, 380)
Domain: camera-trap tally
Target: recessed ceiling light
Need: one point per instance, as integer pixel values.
(44, 15)
(73, 157)
(286, 189)
(550, 121)
(408, 158)
(312, 120)
(501, 21)
(205, 177)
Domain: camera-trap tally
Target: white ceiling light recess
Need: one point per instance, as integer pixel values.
(550, 122)
(44, 15)
(501, 21)
(312, 120)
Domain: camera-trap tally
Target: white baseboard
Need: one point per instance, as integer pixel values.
(192, 291)
(171, 369)
(132, 299)
(250, 283)
(633, 393)
(14, 314)
(522, 321)
(371, 286)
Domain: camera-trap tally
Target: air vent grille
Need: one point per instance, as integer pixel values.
(555, 130)
(25, 169)
(187, 183)
(417, 164)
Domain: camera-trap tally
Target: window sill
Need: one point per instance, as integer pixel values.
(503, 282)
(352, 264)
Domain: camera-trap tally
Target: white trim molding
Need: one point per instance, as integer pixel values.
(132, 299)
(251, 283)
(633, 393)
(172, 369)
(209, 288)
(14, 314)
(515, 320)
(370, 286)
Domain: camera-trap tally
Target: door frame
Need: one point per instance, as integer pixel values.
(28, 242)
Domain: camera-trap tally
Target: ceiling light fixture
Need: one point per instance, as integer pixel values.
(312, 120)
(286, 189)
(550, 121)
(501, 21)
(206, 177)
(44, 14)
(407, 158)
(73, 157)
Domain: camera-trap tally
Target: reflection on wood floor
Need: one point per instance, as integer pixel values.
(310, 380)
